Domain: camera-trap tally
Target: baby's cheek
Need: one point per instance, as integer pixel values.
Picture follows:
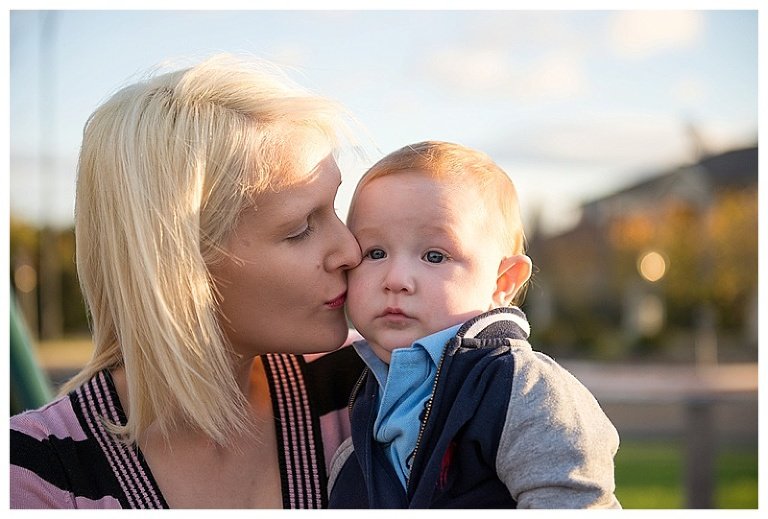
(354, 286)
(357, 294)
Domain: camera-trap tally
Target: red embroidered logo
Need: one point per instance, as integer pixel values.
(445, 465)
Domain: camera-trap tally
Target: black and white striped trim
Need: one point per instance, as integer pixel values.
(476, 327)
(97, 405)
(302, 484)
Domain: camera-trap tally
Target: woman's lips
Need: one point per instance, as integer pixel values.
(338, 301)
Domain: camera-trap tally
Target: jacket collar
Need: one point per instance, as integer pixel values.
(505, 322)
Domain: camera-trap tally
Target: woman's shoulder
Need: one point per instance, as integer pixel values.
(64, 417)
(56, 419)
(40, 440)
(56, 460)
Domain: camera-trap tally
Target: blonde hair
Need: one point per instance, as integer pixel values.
(166, 167)
(460, 166)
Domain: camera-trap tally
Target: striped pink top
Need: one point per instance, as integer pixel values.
(62, 455)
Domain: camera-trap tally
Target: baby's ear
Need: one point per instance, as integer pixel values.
(514, 271)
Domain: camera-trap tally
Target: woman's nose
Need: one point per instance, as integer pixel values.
(346, 253)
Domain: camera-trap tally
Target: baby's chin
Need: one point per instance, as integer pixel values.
(384, 349)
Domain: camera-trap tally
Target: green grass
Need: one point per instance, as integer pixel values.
(738, 469)
(650, 475)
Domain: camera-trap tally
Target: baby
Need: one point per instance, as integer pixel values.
(455, 409)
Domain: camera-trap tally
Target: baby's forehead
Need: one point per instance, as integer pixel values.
(444, 183)
(442, 212)
(426, 189)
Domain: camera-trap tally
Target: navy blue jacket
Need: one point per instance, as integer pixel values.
(505, 427)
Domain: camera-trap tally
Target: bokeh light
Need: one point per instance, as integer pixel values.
(652, 266)
(25, 278)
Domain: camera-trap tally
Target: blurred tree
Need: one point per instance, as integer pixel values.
(25, 268)
(24, 272)
(699, 223)
(733, 236)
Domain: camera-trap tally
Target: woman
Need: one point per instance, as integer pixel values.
(211, 258)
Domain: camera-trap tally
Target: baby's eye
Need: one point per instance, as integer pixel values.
(434, 256)
(375, 254)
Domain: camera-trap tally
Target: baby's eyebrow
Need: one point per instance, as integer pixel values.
(444, 230)
(366, 232)
(375, 233)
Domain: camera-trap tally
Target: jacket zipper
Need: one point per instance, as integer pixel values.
(427, 412)
(356, 389)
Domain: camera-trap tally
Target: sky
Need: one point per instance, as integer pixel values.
(572, 104)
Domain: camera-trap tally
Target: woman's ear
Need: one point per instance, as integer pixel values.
(514, 271)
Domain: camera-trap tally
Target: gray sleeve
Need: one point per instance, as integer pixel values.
(557, 447)
(343, 453)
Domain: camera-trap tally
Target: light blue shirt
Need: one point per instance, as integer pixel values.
(404, 387)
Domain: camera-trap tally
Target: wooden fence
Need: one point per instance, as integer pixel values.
(703, 406)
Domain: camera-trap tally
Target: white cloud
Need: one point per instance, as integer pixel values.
(470, 69)
(523, 31)
(617, 140)
(690, 91)
(557, 76)
(638, 34)
(289, 56)
(721, 135)
(623, 138)
(528, 56)
(492, 71)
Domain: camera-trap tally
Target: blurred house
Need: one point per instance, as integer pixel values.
(665, 268)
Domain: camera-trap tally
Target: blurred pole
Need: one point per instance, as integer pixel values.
(705, 336)
(705, 314)
(50, 314)
(700, 453)
(29, 387)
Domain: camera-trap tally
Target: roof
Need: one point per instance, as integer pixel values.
(730, 170)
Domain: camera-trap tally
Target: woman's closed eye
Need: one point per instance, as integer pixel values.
(301, 234)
